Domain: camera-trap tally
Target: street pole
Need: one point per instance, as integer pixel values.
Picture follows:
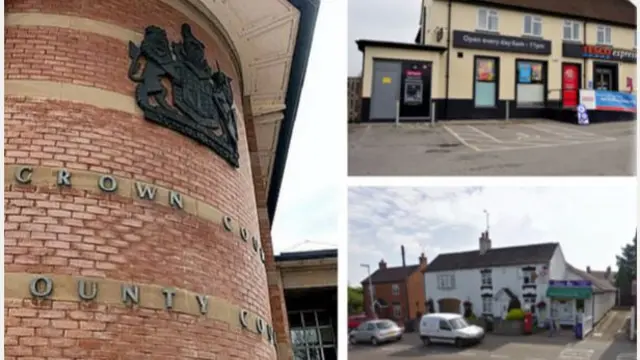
(373, 306)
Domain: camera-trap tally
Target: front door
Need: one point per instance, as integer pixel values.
(604, 79)
(385, 89)
(570, 85)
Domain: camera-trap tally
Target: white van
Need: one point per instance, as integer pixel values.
(449, 329)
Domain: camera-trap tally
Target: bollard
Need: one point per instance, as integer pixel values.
(397, 112)
(433, 113)
(507, 112)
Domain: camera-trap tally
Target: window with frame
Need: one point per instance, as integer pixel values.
(528, 277)
(487, 20)
(487, 305)
(486, 278)
(395, 289)
(571, 30)
(533, 25)
(397, 311)
(603, 35)
(486, 84)
(530, 79)
(446, 282)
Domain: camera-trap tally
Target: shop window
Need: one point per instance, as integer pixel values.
(603, 35)
(571, 30)
(530, 80)
(533, 25)
(486, 83)
(487, 20)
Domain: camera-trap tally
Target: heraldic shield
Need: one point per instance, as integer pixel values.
(202, 107)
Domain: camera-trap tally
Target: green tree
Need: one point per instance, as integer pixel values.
(355, 300)
(627, 264)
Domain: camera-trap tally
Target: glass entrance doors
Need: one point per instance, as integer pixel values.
(604, 79)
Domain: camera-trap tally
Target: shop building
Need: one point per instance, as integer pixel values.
(500, 59)
(310, 282)
(145, 143)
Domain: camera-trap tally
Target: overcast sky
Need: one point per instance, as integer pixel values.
(590, 223)
(313, 191)
(391, 20)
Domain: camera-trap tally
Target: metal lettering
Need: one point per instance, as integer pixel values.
(175, 200)
(34, 288)
(145, 191)
(203, 301)
(244, 234)
(168, 297)
(260, 326)
(263, 258)
(227, 222)
(82, 290)
(23, 175)
(63, 178)
(107, 183)
(130, 293)
(244, 321)
(255, 243)
(270, 333)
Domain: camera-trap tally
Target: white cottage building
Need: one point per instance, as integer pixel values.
(490, 277)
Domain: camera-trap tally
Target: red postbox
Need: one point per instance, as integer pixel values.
(528, 323)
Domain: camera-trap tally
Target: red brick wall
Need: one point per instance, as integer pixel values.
(69, 231)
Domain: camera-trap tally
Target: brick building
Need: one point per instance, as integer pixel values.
(141, 183)
(398, 292)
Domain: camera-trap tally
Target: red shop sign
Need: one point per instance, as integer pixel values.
(597, 50)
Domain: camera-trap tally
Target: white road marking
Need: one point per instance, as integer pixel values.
(627, 356)
(499, 356)
(455, 135)
(467, 353)
(530, 358)
(576, 354)
(597, 334)
(489, 136)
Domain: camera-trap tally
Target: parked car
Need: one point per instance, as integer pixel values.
(376, 332)
(355, 320)
(449, 329)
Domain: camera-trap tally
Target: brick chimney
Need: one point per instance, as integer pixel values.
(588, 269)
(382, 265)
(485, 242)
(422, 260)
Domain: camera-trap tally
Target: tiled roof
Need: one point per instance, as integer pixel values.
(391, 274)
(506, 256)
(615, 11)
(599, 284)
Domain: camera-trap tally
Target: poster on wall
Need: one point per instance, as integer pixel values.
(524, 73)
(485, 70)
(536, 72)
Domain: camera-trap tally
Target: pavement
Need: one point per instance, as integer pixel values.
(533, 347)
(492, 148)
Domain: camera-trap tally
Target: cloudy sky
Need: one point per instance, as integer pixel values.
(313, 191)
(391, 20)
(590, 223)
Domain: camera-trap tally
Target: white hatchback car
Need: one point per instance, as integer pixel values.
(449, 329)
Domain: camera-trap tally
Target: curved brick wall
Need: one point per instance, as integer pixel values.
(80, 232)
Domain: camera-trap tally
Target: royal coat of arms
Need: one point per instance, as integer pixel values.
(201, 102)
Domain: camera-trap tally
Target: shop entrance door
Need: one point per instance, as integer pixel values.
(570, 85)
(604, 79)
(385, 90)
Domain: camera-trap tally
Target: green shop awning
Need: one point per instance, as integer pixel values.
(562, 292)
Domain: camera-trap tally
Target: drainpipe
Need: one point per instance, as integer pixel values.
(446, 74)
(584, 60)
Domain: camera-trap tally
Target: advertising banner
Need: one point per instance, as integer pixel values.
(608, 100)
(495, 42)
